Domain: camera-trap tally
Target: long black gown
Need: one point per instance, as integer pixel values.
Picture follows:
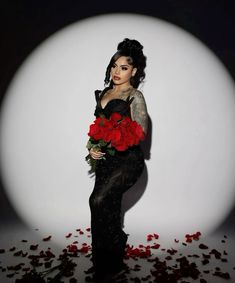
(114, 176)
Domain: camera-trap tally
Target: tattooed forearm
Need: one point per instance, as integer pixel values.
(139, 110)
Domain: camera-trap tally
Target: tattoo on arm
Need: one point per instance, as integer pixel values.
(139, 110)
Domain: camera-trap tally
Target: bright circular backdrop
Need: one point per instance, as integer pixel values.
(189, 180)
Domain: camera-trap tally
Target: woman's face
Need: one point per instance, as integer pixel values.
(122, 71)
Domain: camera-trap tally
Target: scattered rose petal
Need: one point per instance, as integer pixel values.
(191, 237)
(12, 249)
(216, 253)
(149, 237)
(49, 254)
(15, 267)
(72, 248)
(33, 247)
(203, 247)
(46, 238)
(163, 271)
(84, 249)
(155, 246)
(206, 271)
(171, 251)
(133, 252)
(205, 261)
(156, 236)
(206, 256)
(19, 253)
(221, 274)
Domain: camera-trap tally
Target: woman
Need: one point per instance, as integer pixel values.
(116, 174)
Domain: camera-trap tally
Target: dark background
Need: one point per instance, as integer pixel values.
(25, 23)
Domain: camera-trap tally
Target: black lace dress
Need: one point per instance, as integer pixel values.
(114, 176)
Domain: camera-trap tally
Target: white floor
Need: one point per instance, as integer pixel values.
(224, 242)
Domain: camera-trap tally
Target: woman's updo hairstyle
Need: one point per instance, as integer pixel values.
(132, 49)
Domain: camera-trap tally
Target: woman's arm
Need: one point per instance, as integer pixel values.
(139, 110)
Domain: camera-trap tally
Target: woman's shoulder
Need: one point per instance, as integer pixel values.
(99, 93)
(137, 93)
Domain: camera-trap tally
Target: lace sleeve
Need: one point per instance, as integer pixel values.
(139, 110)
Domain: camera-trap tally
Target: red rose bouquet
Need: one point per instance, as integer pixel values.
(116, 133)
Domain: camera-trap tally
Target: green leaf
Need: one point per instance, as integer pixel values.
(111, 151)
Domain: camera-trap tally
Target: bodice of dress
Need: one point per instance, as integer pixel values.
(132, 105)
(115, 105)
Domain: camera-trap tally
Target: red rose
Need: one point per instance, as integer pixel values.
(137, 132)
(126, 122)
(107, 130)
(120, 132)
(129, 137)
(99, 128)
(120, 146)
(95, 131)
(115, 117)
(115, 136)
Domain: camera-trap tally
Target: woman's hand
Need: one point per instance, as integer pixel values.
(96, 153)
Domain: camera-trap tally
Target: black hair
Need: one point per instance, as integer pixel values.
(132, 49)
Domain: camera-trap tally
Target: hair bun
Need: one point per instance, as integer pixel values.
(130, 45)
